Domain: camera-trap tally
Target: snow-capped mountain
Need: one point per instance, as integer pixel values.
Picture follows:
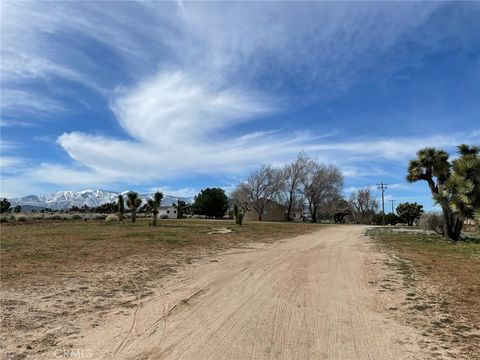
(63, 200)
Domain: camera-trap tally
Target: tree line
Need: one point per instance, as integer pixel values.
(6, 207)
(306, 183)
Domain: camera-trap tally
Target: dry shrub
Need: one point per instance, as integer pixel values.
(112, 218)
(21, 217)
(432, 221)
(96, 217)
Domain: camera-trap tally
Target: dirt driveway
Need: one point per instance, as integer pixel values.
(309, 297)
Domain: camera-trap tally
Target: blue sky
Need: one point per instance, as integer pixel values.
(179, 96)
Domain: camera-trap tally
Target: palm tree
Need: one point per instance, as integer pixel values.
(120, 207)
(133, 203)
(153, 205)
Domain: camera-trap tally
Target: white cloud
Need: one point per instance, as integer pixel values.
(322, 45)
(12, 187)
(61, 175)
(6, 145)
(15, 123)
(164, 150)
(182, 192)
(173, 107)
(28, 102)
(7, 162)
(393, 148)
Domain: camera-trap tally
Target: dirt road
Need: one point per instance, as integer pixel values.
(308, 297)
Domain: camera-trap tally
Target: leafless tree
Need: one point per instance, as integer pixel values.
(321, 184)
(261, 186)
(293, 174)
(364, 204)
(336, 209)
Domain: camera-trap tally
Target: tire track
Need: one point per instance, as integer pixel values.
(303, 298)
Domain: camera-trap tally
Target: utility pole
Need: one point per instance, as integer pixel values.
(393, 201)
(383, 187)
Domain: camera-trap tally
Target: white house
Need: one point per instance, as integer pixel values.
(167, 211)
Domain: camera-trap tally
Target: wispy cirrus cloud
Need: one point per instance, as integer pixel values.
(7, 162)
(321, 44)
(15, 123)
(23, 103)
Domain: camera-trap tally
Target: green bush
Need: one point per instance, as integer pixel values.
(391, 219)
(377, 219)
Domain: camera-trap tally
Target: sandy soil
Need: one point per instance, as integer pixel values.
(309, 297)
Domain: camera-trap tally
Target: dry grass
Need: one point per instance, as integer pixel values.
(45, 249)
(442, 280)
(54, 275)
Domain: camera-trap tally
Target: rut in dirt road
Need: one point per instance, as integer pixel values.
(302, 298)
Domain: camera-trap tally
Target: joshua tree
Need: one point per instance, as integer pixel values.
(153, 205)
(120, 207)
(455, 185)
(432, 166)
(133, 203)
(182, 208)
(409, 212)
(464, 183)
(238, 214)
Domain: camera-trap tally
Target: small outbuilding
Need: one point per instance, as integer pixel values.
(273, 211)
(169, 212)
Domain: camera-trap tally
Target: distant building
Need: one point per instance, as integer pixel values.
(295, 215)
(167, 211)
(470, 225)
(273, 211)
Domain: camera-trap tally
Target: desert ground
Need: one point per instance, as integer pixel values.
(191, 290)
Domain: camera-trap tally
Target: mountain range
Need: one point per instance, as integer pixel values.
(63, 200)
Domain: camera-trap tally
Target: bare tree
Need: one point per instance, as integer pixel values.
(364, 204)
(261, 186)
(335, 210)
(321, 185)
(293, 174)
